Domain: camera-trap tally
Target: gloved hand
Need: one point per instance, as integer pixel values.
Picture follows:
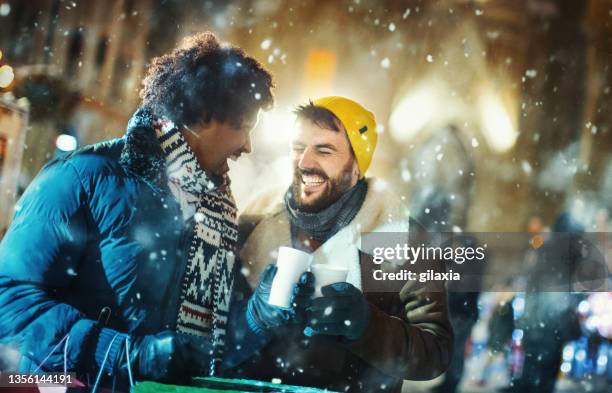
(263, 317)
(342, 311)
(165, 357)
(302, 296)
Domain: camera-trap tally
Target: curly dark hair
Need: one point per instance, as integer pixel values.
(204, 80)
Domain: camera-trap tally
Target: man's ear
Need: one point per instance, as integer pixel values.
(355, 170)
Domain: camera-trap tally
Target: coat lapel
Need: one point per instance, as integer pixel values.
(262, 245)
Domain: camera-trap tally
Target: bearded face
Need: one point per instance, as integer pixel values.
(324, 166)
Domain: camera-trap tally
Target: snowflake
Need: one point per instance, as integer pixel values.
(265, 44)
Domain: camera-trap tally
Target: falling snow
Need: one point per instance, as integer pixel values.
(265, 44)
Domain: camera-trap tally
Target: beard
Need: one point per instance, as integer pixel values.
(334, 188)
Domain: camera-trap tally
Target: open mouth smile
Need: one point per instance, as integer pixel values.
(311, 182)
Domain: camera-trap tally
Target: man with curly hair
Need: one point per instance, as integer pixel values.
(119, 263)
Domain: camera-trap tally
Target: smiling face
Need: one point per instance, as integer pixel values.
(216, 142)
(324, 166)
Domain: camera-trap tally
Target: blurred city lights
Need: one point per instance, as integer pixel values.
(5, 9)
(412, 114)
(319, 73)
(23, 103)
(584, 307)
(6, 76)
(568, 353)
(66, 142)
(517, 334)
(518, 305)
(566, 367)
(497, 125)
(602, 361)
(600, 320)
(278, 126)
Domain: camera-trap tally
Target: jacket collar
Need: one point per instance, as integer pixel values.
(141, 154)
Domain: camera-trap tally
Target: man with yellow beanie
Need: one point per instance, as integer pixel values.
(351, 338)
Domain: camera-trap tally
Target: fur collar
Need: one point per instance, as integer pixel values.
(142, 154)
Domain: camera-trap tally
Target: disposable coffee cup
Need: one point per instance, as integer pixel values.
(291, 263)
(327, 274)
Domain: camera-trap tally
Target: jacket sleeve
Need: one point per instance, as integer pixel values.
(416, 341)
(39, 258)
(241, 342)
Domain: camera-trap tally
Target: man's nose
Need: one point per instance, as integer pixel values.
(247, 147)
(307, 159)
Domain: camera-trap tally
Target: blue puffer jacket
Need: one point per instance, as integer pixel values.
(98, 228)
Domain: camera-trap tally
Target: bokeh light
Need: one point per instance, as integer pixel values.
(6, 76)
(66, 142)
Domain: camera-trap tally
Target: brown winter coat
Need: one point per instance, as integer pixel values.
(409, 335)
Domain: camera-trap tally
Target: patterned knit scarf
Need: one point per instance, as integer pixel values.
(208, 280)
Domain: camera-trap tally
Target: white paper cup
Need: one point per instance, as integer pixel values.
(327, 274)
(291, 263)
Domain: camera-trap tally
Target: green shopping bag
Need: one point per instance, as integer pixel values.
(222, 385)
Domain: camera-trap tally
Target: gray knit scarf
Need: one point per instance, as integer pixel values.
(326, 223)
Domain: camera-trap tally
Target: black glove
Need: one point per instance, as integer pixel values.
(166, 357)
(302, 296)
(261, 316)
(342, 311)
